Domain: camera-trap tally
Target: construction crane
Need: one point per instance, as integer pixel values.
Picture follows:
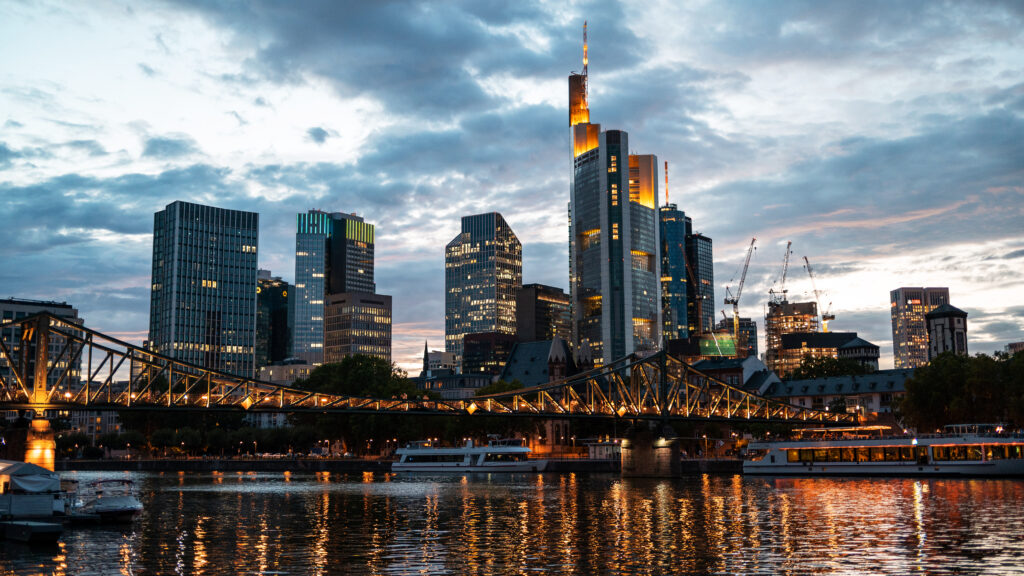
(735, 300)
(827, 315)
(780, 296)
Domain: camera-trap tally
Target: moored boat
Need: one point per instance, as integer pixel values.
(507, 455)
(962, 450)
(113, 500)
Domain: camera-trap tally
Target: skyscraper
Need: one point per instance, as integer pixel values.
(357, 323)
(333, 254)
(908, 307)
(273, 329)
(676, 226)
(786, 317)
(702, 289)
(483, 272)
(16, 309)
(614, 263)
(203, 299)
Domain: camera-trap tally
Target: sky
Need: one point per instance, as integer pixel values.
(884, 139)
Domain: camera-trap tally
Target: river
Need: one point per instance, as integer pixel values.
(274, 523)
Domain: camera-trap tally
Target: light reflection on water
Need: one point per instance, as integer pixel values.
(255, 523)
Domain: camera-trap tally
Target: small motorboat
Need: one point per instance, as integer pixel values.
(113, 500)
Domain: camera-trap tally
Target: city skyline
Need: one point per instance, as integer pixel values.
(883, 141)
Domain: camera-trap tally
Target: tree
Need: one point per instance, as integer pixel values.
(825, 367)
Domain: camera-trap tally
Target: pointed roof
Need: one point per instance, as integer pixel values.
(558, 352)
(946, 310)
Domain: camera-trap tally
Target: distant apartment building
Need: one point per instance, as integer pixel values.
(908, 307)
(357, 323)
(286, 372)
(786, 317)
(795, 346)
(542, 312)
(334, 254)
(947, 331)
(483, 273)
(273, 320)
(203, 294)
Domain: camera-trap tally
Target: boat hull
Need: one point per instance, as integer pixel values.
(459, 467)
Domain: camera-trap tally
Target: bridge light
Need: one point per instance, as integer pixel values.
(471, 408)
(67, 395)
(621, 411)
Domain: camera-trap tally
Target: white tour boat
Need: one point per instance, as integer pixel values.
(113, 500)
(509, 455)
(962, 450)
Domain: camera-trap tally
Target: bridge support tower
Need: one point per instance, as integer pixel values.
(648, 453)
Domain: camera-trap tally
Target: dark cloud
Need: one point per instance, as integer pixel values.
(169, 147)
(317, 134)
(1014, 254)
(13, 124)
(90, 147)
(147, 70)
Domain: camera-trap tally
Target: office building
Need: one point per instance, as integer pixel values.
(333, 254)
(486, 352)
(483, 272)
(908, 307)
(786, 317)
(542, 312)
(676, 226)
(947, 331)
(273, 330)
(17, 309)
(700, 298)
(357, 323)
(203, 300)
(747, 344)
(613, 238)
(795, 346)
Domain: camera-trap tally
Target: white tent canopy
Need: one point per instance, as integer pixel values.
(26, 477)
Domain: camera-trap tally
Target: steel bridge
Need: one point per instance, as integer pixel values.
(48, 363)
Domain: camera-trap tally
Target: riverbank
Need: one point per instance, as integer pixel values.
(343, 465)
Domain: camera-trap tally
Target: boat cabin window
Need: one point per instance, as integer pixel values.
(858, 454)
(975, 452)
(434, 458)
(492, 457)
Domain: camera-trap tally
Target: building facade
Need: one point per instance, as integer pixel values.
(868, 395)
(846, 345)
(908, 307)
(786, 317)
(487, 352)
(542, 312)
(483, 273)
(273, 327)
(203, 299)
(947, 331)
(357, 323)
(700, 298)
(676, 226)
(614, 246)
(747, 344)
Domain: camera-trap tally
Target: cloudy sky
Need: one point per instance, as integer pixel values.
(886, 140)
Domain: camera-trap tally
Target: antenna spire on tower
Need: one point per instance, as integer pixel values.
(586, 88)
(666, 182)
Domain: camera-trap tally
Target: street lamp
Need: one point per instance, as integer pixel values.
(705, 445)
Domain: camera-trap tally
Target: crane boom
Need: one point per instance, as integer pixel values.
(827, 315)
(780, 296)
(735, 300)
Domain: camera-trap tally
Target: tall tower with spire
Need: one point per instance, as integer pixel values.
(613, 235)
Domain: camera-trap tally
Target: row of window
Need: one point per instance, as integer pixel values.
(907, 453)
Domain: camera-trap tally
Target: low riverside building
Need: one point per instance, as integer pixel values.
(867, 394)
(749, 373)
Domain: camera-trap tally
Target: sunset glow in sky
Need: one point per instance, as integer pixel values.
(886, 140)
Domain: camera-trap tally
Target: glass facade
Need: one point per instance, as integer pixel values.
(699, 253)
(357, 323)
(542, 312)
(748, 334)
(15, 309)
(483, 273)
(908, 307)
(273, 328)
(675, 227)
(203, 298)
(334, 253)
(786, 318)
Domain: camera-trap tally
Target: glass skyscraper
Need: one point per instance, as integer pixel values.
(273, 327)
(615, 260)
(333, 254)
(203, 294)
(483, 273)
(699, 253)
(675, 227)
(908, 307)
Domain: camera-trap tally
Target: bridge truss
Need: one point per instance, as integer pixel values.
(49, 363)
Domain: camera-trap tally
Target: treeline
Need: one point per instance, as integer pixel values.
(954, 389)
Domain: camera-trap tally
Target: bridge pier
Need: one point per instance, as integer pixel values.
(650, 453)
